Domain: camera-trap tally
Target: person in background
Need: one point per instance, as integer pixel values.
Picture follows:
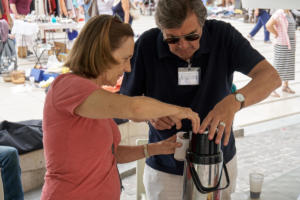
(20, 8)
(226, 3)
(76, 8)
(140, 4)
(81, 141)
(190, 61)
(11, 173)
(5, 14)
(296, 14)
(263, 16)
(283, 26)
(85, 5)
(122, 10)
(101, 7)
(105, 7)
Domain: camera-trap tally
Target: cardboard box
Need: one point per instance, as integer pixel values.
(60, 47)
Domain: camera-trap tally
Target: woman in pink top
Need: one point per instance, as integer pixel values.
(81, 141)
(283, 26)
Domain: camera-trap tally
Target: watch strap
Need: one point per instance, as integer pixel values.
(241, 102)
(146, 151)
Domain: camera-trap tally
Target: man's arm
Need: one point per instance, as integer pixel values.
(265, 79)
(14, 10)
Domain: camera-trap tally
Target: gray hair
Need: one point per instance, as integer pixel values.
(171, 13)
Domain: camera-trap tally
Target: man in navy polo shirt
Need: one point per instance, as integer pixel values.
(190, 61)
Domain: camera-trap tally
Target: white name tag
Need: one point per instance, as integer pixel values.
(188, 76)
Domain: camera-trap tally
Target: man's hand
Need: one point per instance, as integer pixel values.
(162, 123)
(220, 119)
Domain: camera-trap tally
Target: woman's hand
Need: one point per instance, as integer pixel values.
(162, 123)
(186, 113)
(163, 147)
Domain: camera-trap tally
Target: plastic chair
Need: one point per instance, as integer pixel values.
(140, 190)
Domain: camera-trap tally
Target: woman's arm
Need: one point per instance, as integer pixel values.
(131, 153)
(102, 104)
(126, 7)
(270, 26)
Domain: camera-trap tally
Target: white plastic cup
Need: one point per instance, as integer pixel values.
(256, 182)
(180, 152)
(32, 80)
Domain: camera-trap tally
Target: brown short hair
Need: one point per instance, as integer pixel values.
(171, 14)
(91, 54)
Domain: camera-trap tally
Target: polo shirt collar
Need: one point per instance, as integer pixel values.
(205, 44)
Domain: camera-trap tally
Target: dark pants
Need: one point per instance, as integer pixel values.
(11, 173)
(262, 20)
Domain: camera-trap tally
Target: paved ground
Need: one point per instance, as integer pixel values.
(270, 145)
(273, 152)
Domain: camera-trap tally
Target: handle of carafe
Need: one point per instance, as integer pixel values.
(197, 181)
(226, 176)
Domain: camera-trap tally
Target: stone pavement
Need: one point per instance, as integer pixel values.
(271, 143)
(273, 153)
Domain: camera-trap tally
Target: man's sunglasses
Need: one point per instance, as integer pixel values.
(188, 37)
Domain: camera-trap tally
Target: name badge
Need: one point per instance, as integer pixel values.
(189, 75)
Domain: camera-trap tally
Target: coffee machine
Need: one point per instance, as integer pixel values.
(203, 169)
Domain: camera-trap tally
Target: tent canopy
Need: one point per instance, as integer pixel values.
(288, 4)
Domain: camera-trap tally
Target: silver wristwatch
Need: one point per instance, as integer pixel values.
(240, 98)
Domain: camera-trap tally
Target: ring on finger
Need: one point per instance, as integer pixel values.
(222, 124)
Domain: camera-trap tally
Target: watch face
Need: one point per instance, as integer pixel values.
(240, 97)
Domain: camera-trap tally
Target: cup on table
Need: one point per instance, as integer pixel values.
(256, 182)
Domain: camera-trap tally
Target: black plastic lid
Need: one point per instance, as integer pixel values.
(200, 145)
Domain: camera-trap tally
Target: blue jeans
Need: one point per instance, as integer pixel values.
(262, 20)
(11, 173)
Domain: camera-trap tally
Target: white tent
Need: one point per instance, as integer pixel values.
(284, 4)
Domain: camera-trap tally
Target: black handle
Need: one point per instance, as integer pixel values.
(197, 181)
